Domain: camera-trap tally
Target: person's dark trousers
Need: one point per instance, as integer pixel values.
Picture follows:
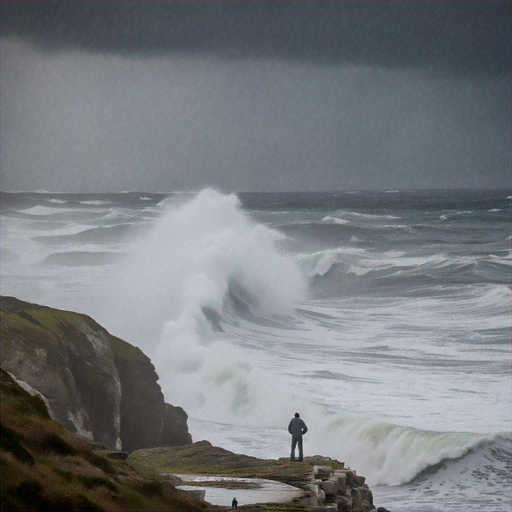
(297, 441)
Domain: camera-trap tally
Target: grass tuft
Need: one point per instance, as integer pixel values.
(12, 442)
(53, 443)
(151, 487)
(97, 481)
(30, 491)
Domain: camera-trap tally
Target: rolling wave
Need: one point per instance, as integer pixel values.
(83, 258)
(395, 455)
(333, 271)
(347, 216)
(199, 257)
(99, 235)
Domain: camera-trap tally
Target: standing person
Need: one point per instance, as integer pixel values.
(234, 503)
(297, 429)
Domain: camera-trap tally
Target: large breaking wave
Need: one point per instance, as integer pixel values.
(204, 258)
(395, 455)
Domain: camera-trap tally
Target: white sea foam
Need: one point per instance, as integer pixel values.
(319, 263)
(338, 218)
(194, 254)
(95, 202)
(334, 220)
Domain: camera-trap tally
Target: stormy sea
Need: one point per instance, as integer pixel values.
(383, 318)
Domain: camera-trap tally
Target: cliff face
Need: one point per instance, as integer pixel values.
(46, 467)
(95, 384)
(140, 393)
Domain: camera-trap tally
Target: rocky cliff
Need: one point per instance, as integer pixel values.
(93, 383)
(46, 467)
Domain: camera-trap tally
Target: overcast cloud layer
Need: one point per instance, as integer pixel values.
(254, 95)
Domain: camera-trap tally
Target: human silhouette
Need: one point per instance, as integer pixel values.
(297, 429)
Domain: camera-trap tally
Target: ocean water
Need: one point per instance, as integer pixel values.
(384, 318)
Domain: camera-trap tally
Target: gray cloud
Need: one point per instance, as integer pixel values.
(455, 37)
(85, 121)
(259, 95)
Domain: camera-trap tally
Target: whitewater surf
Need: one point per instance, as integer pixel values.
(383, 318)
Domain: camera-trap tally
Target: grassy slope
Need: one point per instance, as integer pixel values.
(45, 467)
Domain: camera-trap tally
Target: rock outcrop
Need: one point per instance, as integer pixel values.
(175, 431)
(340, 489)
(142, 402)
(94, 383)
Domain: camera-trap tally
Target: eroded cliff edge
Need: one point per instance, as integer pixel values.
(93, 383)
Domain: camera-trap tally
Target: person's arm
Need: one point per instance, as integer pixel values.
(304, 427)
(290, 427)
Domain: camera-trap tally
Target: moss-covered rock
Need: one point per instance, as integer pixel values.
(67, 358)
(204, 459)
(95, 384)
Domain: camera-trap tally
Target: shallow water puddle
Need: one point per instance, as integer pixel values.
(220, 490)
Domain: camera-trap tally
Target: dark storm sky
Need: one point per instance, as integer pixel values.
(254, 95)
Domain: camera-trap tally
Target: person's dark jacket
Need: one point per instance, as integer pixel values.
(297, 427)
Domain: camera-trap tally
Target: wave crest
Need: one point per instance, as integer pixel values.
(201, 254)
(390, 454)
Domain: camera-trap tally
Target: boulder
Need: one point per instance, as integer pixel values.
(330, 487)
(357, 500)
(322, 472)
(344, 504)
(342, 480)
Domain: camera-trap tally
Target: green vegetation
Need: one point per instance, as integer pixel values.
(45, 467)
(35, 316)
(124, 350)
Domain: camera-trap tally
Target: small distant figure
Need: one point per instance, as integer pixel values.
(297, 429)
(234, 503)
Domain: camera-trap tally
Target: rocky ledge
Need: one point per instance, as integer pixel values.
(328, 485)
(92, 382)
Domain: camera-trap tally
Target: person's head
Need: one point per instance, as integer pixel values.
(297, 415)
